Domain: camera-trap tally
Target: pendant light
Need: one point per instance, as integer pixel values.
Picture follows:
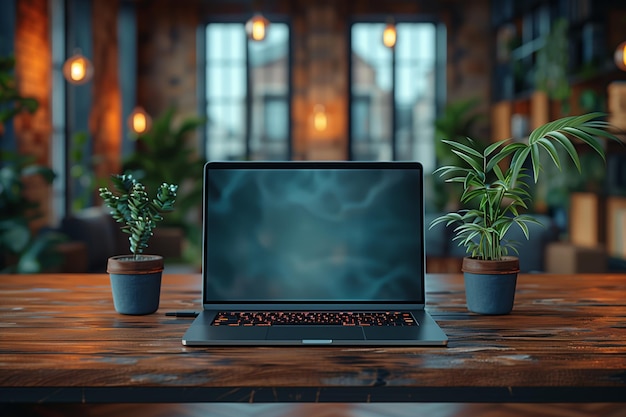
(77, 69)
(139, 121)
(390, 34)
(257, 27)
(320, 119)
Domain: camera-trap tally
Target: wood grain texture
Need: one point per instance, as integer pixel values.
(62, 341)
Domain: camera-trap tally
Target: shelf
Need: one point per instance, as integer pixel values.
(522, 29)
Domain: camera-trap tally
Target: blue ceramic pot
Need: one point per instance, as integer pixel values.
(490, 288)
(135, 283)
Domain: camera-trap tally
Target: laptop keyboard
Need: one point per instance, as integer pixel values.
(326, 318)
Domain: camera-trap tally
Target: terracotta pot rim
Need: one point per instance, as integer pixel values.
(507, 265)
(126, 264)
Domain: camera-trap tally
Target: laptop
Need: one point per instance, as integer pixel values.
(313, 254)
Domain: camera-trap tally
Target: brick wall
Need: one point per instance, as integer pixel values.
(469, 57)
(33, 74)
(320, 78)
(167, 66)
(105, 120)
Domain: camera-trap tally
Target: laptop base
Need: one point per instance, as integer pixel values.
(203, 333)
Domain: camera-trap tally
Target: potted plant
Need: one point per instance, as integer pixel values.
(136, 278)
(496, 192)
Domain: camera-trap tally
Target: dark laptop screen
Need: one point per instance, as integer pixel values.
(311, 232)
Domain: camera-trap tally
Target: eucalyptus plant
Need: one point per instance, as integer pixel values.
(494, 181)
(132, 206)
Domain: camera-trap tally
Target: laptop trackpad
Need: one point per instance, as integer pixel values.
(315, 333)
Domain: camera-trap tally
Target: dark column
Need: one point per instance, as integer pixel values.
(78, 36)
(8, 15)
(127, 44)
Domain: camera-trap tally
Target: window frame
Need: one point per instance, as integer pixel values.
(440, 71)
(202, 64)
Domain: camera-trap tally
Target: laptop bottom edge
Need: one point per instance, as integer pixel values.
(203, 333)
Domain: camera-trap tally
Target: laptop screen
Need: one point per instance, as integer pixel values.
(348, 232)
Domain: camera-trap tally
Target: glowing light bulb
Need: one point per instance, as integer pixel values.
(320, 120)
(77, 69)
(139, 121)
(256, 27)
(390, 35)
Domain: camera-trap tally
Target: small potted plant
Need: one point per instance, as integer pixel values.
(495, 190)
(136, 278)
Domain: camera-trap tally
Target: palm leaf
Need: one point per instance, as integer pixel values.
(551, 149)
(481, 230)
(587, 138)
(505, 152)
(468, 158)
(567, 145)
(463, 148)
(517, 164)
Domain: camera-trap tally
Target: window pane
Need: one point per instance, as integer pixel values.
(269, 63)
(241, 72)
(414, 102)
(227, 42)
(225, 90)
(373, 59)
(274, 118)
(415, 93)
(225, 131)
(360, 118)
(371, 114)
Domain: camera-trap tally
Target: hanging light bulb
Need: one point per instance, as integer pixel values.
(320, 120)
(77, 69)
(390, 34)
(257, 26)
(620, 56)
(139, 121)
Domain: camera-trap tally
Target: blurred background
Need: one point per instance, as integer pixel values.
(157, 88)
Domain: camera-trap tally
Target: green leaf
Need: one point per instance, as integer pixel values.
(524, 228)
(517, 164)
(463, 148)
(551, 149)
(567, 145)
(498, 172)
(506, 151)
(536, 161)
(468, 158)
(587, 138)
(491, 148)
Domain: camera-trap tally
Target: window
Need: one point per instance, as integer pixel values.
(394, 93)
(247, 93)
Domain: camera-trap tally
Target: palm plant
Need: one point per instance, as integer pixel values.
(132, 206)
(501, 194)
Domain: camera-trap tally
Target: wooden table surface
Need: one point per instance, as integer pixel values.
(61, 341)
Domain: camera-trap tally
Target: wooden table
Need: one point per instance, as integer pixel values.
(61, 341)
